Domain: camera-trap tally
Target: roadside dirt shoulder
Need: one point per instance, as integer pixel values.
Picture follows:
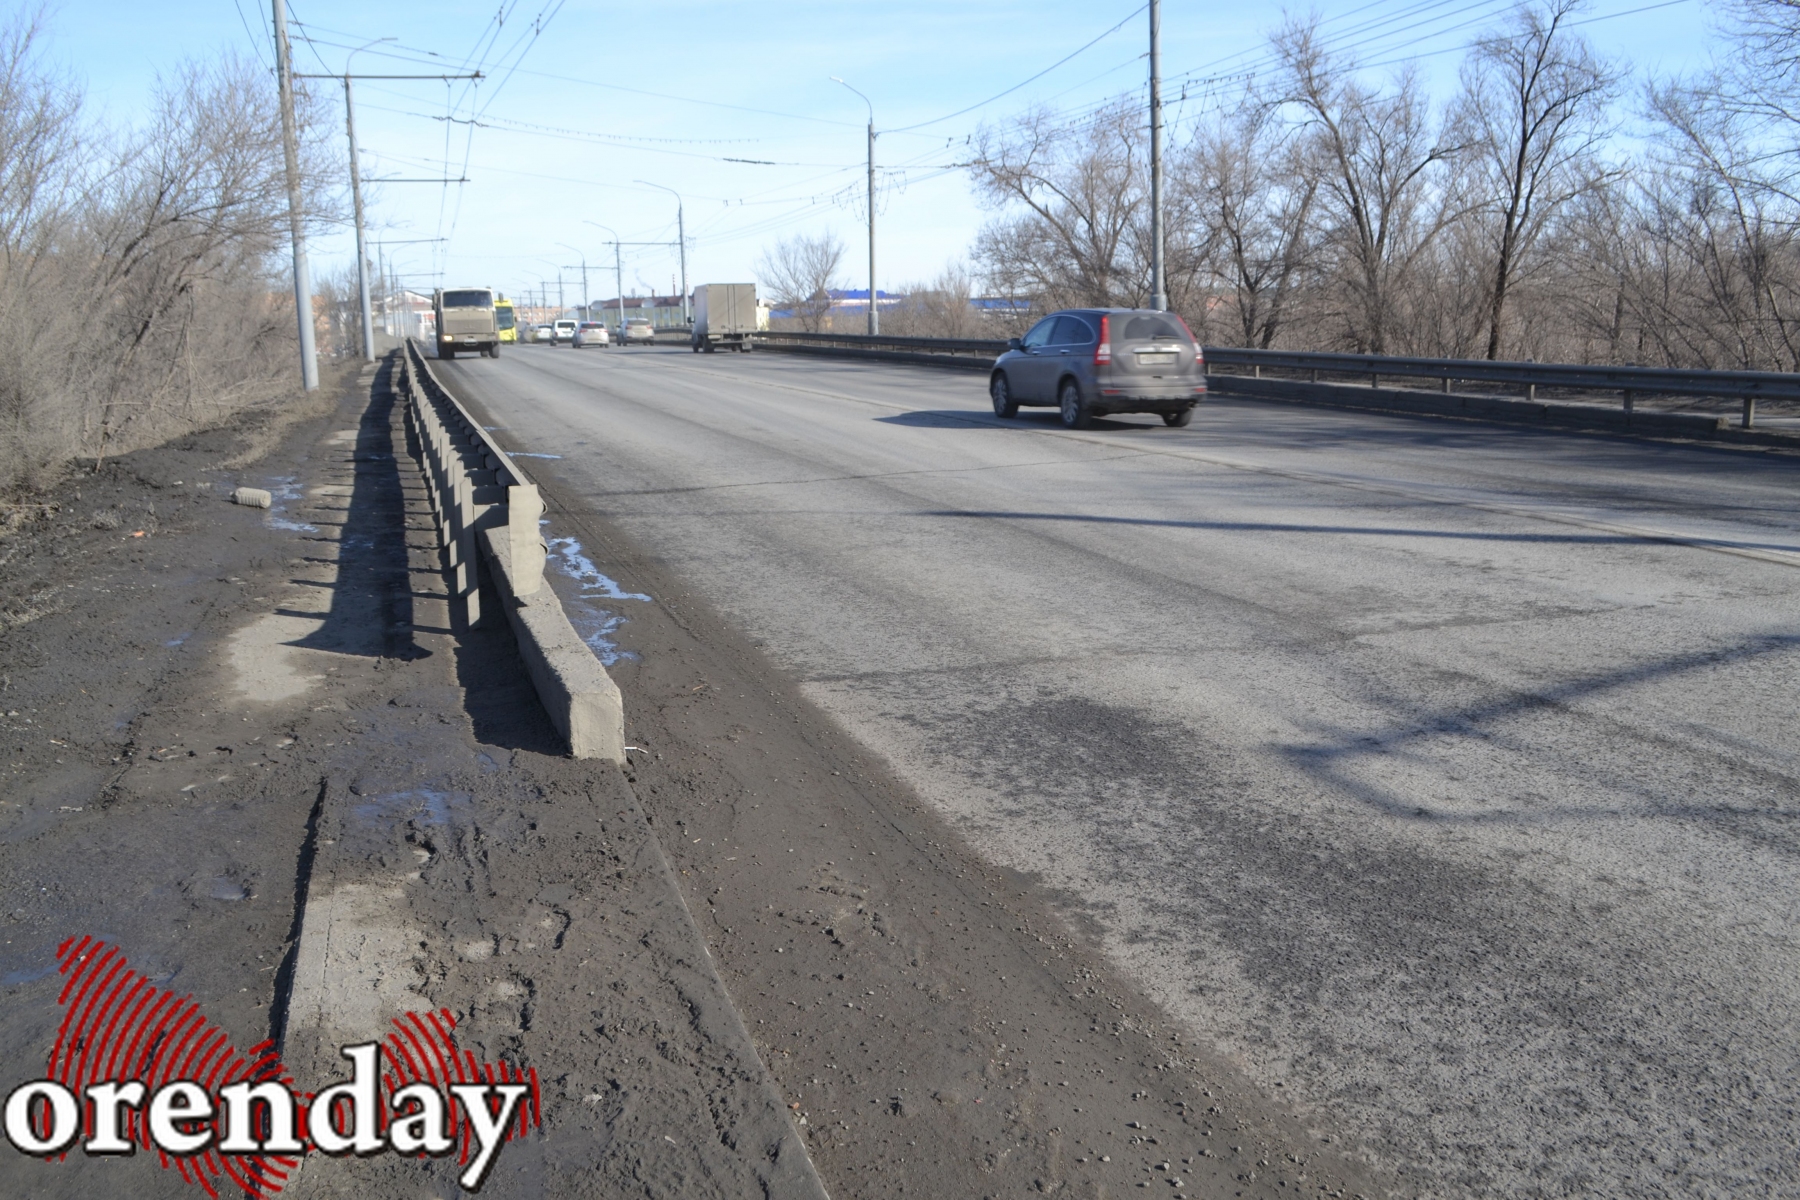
(248, 749)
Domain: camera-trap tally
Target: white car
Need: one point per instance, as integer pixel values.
(564, 331)
(638, 332)
(591, 333)
(543, 333)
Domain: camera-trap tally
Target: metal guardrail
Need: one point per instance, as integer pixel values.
(1630, 382)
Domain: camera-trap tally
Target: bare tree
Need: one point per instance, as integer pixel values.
(139, 275)
(800, 274)
(1535, 105)
(1253, 194)
(938, 308)
(1385, 195)
(1078, 192)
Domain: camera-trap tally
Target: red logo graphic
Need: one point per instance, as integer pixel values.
(137, 1067)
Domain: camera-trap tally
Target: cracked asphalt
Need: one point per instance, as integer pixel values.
(1439, 779)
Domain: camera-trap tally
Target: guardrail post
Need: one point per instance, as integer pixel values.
(1749, 411)
(1256, 371)
(469, 571)
(1531, 391)
(1374, 379)
(1446, 385)
(1629, 398)
(524, 507)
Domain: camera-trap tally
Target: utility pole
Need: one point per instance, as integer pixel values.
(362, 254)
(284, 70)
(584, 279)
(618, 271)
(874, 308)
(1159, 287)
(874, 305)
(681, 235)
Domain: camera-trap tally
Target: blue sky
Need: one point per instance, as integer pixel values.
(607, 94)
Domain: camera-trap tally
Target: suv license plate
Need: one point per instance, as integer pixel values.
(1155, 358)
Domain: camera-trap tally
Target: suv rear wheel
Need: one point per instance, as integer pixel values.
(1179, 420)
(1005, 407)
(1074, 410)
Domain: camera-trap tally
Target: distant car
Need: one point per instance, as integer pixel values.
(563, 331)
(543, 333)
(638, 332)
(591, 333)
(1092, 362)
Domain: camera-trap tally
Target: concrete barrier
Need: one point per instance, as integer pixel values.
(581, 698)
(487, 513)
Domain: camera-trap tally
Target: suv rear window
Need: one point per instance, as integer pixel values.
(1152, 329)
(468, 299)
(1071, 331)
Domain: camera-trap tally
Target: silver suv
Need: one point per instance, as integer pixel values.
(1089, 362)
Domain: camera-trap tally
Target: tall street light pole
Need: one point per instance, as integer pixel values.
(1159, 285)
(681, 233)
(874, 308)
(362, 252)
(618, 272)
(284, 70)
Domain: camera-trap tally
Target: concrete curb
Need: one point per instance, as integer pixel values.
(487, 511)
(583, 702)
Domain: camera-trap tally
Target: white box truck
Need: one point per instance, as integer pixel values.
(724, 315)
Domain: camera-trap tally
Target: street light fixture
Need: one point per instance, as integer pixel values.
(874, 309)
(681, 233)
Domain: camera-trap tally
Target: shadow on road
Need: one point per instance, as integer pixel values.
(963, 418)
(1561, 539)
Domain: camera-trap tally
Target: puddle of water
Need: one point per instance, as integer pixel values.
(26, 975)
(595, 625)
(284, 488)
(566, 553)
(421, 805)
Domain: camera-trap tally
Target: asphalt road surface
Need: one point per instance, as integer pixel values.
(1441, 775)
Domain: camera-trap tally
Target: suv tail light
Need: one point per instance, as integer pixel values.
(1103, 352)
(1199, 354)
